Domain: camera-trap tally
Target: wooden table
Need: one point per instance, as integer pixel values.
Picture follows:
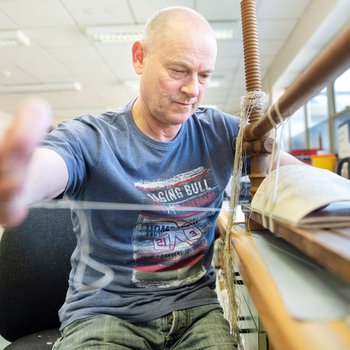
(284, 331)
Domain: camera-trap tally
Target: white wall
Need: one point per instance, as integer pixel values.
(321, 21)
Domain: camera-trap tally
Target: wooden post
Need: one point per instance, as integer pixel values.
(253, 83)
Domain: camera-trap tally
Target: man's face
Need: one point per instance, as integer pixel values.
(175, 76)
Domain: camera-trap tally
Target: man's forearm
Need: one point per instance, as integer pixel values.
(47, 176)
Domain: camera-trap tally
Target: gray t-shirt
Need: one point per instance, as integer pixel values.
(142, 264)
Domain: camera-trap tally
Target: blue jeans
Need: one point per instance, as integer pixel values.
(201, 327)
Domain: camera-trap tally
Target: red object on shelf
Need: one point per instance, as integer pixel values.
(304, 155)
(303, 152)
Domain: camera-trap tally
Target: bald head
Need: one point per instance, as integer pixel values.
(175, 61)
(172, 21)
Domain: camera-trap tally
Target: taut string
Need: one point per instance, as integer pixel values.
(275, 160)
(92, 205)
(81, 209)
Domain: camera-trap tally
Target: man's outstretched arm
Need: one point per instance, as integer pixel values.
(28, 174)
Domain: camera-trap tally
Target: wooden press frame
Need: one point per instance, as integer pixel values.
(332, 62)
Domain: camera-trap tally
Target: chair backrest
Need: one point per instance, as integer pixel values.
(341, 163)
(34, 270)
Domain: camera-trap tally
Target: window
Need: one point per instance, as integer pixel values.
(345, 117)
(297, 129)
(317, 108)
(342, 92)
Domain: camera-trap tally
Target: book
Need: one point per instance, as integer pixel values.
(305, 196)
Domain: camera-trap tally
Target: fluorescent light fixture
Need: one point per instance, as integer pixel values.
(6, 73)
(33, 88)
(214, 83)
(209, 106)
(129, 33)
(226, 30)
(133, 84)
(115, 34)
(13, 38)
(224, 34)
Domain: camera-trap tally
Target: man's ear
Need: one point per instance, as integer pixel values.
(138, 56)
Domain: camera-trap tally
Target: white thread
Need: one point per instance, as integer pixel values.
(277, 110)
(266, 210)
(253, 100)
(269, 116)
(86, 260)
(279, 115)
(275, 159)
(91, 205)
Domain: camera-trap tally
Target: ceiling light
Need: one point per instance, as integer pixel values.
(214, 83)
(209, 106)
(226, 30)
(33, 88)
(6, 73)
(115, 34)
(13, 38)
(129, 33)
(224, 34)
(133, 84)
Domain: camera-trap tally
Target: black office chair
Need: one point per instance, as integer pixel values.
(34, 270)
(341, 163)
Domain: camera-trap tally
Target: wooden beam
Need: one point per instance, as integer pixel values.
(329, 248)
(284, 331)
(333, 61)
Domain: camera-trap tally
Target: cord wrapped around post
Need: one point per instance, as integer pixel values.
(252, 101)
(252, 106)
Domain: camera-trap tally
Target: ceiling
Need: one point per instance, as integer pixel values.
(291, 33)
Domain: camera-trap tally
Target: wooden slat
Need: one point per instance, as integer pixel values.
(284, 331)
(331, 250)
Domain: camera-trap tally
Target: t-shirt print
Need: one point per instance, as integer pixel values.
(169, 246)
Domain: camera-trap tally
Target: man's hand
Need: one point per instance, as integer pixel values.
(30, 125)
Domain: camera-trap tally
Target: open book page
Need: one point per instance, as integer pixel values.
(336, 214)
(301, 190)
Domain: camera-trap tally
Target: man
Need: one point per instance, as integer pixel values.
(140, 279)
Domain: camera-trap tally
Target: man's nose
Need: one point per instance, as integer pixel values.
(191, 86)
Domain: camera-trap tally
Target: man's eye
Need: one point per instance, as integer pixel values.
(177, 73)
(204, 78)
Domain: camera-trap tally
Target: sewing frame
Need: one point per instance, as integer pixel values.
(333, 61)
